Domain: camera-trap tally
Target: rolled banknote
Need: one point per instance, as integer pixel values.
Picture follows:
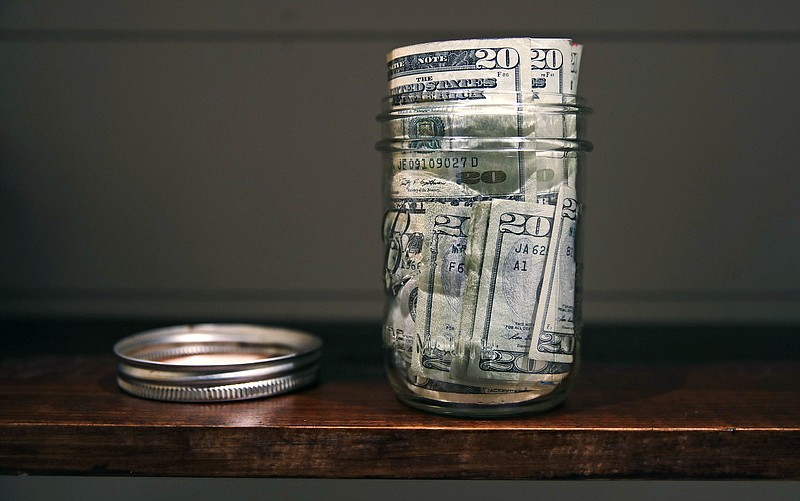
(576, 51)
(552, 63)
(553, 327)
(551, 169)
(441, 287)
(500, 70)
(403, 228)
(463, 123)
(491, 71)
(461, 175)
(443, 126)
(518, 240)
(473, 265)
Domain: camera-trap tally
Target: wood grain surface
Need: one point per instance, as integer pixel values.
(62, 413)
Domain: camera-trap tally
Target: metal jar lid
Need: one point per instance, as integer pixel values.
(216, 362)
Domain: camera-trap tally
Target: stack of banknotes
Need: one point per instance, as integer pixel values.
(482, 148)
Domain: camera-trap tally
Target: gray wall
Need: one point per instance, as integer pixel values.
(216, 159)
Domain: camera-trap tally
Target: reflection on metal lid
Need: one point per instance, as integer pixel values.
(216, 362)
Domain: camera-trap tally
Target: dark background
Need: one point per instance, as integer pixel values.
(215, 160)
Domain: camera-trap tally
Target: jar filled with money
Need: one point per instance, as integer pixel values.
(483, 151)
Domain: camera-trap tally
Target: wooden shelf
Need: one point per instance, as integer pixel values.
(61, 413)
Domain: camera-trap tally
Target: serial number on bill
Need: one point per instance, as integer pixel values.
(435, 163)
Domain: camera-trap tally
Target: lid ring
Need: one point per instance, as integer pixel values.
(216, 362)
